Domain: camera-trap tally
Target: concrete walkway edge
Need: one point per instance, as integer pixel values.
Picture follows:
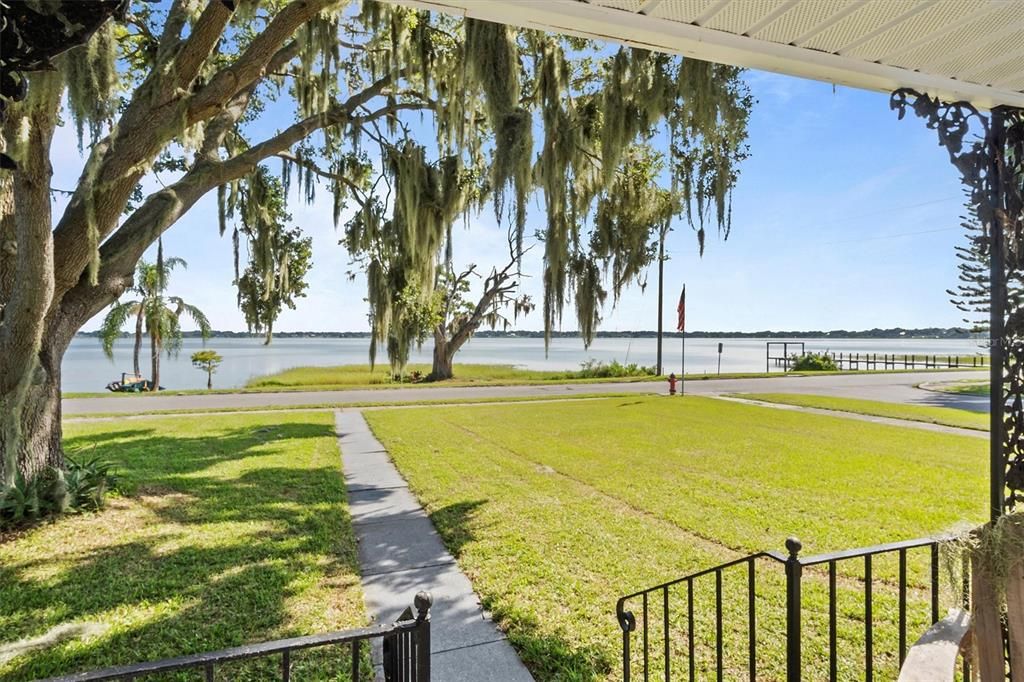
(874, 419)
(400, 553)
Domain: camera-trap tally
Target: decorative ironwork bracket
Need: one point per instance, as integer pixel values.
(991, 167)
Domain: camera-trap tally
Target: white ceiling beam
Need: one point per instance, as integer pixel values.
(770, 17)
(882, 28)
(709, 13)
(832, 20)
(649, 6)
(980, 46)
(591, 21)
(950, 29)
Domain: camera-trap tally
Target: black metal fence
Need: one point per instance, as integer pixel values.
(843, 613)
(406, 649)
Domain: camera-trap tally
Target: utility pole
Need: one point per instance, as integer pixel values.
(661, 292)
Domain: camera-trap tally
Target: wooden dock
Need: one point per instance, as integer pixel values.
(885, 361)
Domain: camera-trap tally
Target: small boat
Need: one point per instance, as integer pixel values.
(131, 383)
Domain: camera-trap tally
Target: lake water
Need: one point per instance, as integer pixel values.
(85, 367)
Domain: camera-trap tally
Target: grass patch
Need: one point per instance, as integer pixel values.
(232, 530)
(555, 511)
(946, 416)
(980, 388)
(347, 376)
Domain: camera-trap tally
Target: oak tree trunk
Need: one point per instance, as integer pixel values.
(29, 372)
(39, 423)
(442, 367)
(444, 356)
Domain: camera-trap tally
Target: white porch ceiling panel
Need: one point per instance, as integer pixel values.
(955, 49)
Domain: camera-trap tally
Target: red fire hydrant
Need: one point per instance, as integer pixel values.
(672, 383)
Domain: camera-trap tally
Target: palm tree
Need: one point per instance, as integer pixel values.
(158, 313)
(163, 324)
(147, 282)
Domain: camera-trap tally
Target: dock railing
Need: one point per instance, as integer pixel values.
(881, 361)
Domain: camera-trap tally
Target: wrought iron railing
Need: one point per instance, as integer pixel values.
(661, 638)
(406, 653)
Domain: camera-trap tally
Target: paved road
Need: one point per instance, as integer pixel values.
(886, 387)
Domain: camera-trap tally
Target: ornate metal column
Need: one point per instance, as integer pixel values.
(992, 169)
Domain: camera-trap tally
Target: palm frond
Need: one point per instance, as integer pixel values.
(115, 320)
(174, 262)
(197, 315)
(172, 334)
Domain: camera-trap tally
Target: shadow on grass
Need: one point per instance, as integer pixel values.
(153, 457)
(547, 655)
(959, 401)
(455, 524)
(212, 561)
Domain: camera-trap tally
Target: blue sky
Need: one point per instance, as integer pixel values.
(844, 218)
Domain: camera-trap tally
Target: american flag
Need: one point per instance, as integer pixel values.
(681, 309)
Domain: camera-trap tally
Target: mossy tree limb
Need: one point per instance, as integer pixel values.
(192, 85)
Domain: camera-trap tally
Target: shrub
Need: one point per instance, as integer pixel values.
(88, 483)
(595, 369)
(413, 377)
(83, 486)
(813, 362)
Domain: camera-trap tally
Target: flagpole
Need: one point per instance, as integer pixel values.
(682, 332)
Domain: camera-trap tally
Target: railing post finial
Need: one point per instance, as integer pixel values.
(794, 546)
(423, 601)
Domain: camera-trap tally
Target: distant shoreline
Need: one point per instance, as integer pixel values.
(892, 333)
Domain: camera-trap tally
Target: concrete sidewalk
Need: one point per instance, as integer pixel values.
(400, 553)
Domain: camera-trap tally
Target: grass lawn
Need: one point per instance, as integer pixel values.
(233, 529)
(556, 510)
(947, 416)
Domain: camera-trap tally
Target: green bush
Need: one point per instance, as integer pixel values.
(813, 362)
(595, 369)
(88, 483)
(82, 486)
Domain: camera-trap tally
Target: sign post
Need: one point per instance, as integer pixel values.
(719, 358)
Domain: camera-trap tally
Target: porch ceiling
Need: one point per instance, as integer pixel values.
(955, 49)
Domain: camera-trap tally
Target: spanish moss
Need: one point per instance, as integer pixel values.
(492, 65)
(91, 76)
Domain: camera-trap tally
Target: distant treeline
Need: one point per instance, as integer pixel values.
(893, 333)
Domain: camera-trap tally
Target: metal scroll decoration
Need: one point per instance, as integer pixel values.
(991, 165)
(1010, 216)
